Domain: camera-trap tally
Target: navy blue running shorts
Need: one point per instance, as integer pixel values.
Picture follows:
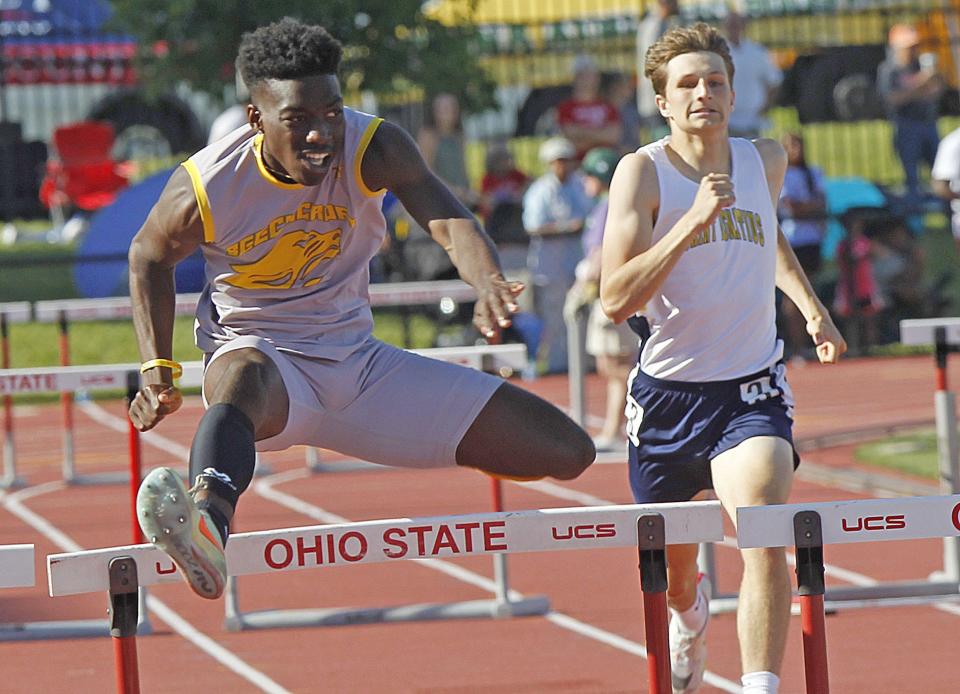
(676, 428)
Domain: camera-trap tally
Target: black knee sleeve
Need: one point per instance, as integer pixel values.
(222, 456)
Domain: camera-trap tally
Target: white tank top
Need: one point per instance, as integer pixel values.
(713, 319)
(286, 262)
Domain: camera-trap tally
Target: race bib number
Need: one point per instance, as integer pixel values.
(758, 390)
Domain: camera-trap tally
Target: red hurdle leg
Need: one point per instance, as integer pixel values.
(9, 464)
(66, 402)
(123, 623)
(809, 549)
(133, 446)
(653, 583)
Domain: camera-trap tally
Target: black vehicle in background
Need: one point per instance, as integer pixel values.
(60, 64)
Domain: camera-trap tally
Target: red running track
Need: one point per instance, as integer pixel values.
(589, 644)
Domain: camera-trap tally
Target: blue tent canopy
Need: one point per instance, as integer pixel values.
(105, 244)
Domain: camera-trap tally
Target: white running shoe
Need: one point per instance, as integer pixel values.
(171, 520)
(688, 650)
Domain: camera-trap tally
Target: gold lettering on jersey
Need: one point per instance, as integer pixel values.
(306, 212)
(733, 224)
(290, 262)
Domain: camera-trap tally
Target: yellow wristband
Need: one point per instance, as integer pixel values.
(163, 363)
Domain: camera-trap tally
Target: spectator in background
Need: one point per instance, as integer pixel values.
(501, 204)
(756, 79)
(442, 144)
(619, 92)
(586, 118)
(898, 268)
(911, 89)
(858, 299)
(555, 208)
(658, 21)
(614, 346)
(802, 212)
(946, 178)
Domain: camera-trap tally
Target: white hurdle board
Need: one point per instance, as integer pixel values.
(861, 520)
(16, 566)
(273, 551)
(16, 311)
(922, 331)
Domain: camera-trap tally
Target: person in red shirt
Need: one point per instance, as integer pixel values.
(586, 118)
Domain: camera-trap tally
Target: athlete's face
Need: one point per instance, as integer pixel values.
(698, 96)
(302, 125)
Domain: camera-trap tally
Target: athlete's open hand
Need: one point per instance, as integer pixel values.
(496, 303)
(715, 193)
(153, 403)
(828, 340)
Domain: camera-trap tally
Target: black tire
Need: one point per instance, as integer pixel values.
(811, 81)
(166, 118)
(855, 97)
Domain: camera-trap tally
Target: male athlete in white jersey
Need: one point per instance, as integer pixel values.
(691, 255)
(287, 211)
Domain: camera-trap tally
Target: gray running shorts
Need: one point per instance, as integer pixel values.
(381, 404)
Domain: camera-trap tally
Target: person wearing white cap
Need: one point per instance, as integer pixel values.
(555, 207)
(911, 89)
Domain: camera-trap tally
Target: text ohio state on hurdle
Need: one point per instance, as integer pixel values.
(412, 542)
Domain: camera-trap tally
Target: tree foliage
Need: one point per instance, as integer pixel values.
(391, 47)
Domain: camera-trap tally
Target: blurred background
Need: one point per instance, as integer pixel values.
(100, 99)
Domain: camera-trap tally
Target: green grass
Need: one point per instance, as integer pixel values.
(113, 342)
(914, 453)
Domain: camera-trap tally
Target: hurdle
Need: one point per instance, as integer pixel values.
(16, 567)
(10, 312)
(16, 571)
(649, 527)
(808, 527)
(69, 379)
(944, 335)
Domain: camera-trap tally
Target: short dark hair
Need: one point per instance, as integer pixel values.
(680, 40)
(287, 49)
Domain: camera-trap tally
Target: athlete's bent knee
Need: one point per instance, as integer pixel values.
(579, 453)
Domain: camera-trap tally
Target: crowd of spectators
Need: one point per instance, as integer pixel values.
(547, 222)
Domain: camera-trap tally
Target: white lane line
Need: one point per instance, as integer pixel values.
(14, 503)
(105, 418)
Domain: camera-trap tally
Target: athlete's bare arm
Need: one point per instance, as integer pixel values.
(393, 161)
(172, 232)
(791, 279)
(632, 266)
